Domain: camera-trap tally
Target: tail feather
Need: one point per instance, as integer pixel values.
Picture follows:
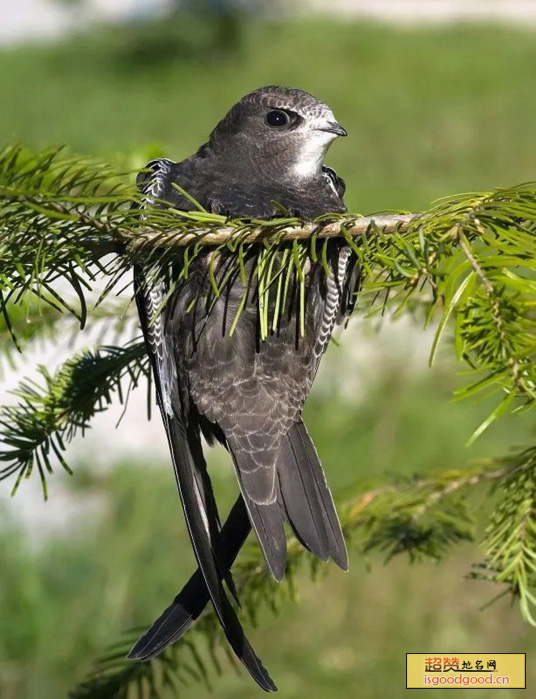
(267, 521)
(266, 518)
(306, 498)
(299, 497)
(303, 498)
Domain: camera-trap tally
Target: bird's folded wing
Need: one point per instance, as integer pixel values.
(201, 520)
(189, 466)
(192, 599)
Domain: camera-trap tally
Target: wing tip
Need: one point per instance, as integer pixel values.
(143, 650)
(135, 653)
(139, 653)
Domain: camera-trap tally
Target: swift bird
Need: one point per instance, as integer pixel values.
(241, 389)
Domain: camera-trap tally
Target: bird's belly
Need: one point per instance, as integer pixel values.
(232, 371)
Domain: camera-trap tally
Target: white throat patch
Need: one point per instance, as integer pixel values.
(309, 162)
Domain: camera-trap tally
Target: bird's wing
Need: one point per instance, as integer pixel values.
(187, 606)
(184, 442)
(334, 181)
(303, 492)
(309, 508)
(343, 287)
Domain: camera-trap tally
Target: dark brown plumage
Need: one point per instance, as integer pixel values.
(244, 391)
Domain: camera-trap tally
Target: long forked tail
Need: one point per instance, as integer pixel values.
(304, 500)
(301, 496)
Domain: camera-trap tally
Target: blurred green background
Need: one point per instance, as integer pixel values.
(430, 112)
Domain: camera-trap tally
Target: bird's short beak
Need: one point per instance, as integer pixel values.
(334, 127)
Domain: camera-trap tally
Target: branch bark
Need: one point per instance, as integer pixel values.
(351, 225)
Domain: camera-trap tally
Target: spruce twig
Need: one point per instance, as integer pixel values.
(421, 518)
(469, 261)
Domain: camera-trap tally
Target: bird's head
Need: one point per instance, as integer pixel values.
(285, 130)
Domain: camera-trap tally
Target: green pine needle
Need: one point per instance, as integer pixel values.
(469, 262)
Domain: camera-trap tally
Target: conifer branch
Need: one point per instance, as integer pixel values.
(260, 232)
(421, 518)
(51, 413)
(509, 542)
(471, 259)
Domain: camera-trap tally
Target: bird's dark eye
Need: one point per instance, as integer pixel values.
(277, 118)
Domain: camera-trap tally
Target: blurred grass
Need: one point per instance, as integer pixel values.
(430, 113)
